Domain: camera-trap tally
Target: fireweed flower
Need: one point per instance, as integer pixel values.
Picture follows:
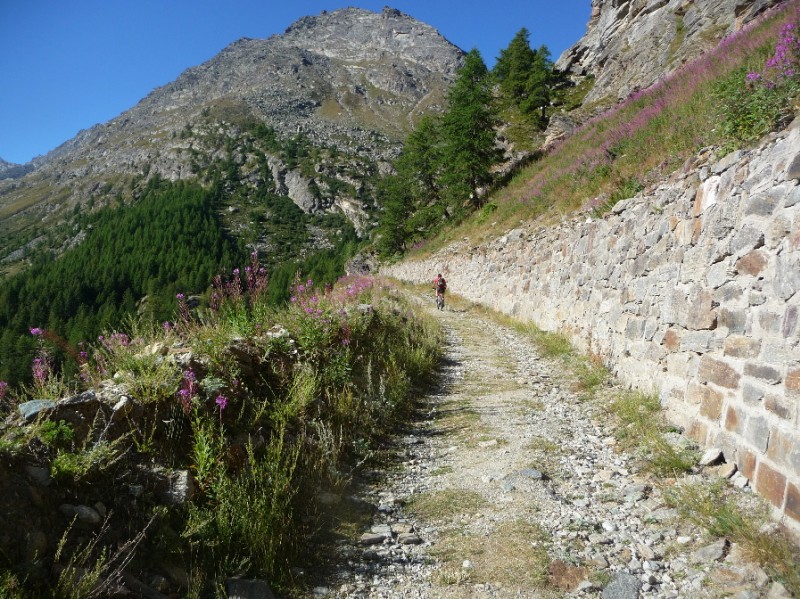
(222, 402)
(41, 371)
(36, 331)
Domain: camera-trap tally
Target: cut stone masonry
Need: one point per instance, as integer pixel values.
(689, 289)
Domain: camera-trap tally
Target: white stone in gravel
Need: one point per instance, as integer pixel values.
(709, 553)
(711, 456)
(408, 538)
(683, 540)
(645, 552)
(609, 526)
(739, 480)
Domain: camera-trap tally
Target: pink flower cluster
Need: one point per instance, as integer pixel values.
(188, 390)
(41, 370)
(250, 284)
(784, 63)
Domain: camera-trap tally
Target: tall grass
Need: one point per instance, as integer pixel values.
(264, 407)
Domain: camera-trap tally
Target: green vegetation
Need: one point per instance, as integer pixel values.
(714, 508)
(728, 98)
(642, 427)
(265, 407)
(445, 164)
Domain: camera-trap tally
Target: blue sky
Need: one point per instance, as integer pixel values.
(69, 64)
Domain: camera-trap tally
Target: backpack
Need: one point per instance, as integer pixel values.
(441, 284)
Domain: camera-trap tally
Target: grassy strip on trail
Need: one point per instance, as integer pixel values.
(640, 427)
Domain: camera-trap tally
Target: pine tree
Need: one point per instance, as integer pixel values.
(514, 66)
(525, 76)
(468, 126)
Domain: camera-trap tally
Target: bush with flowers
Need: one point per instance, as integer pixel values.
(263, 407)
(762, 94)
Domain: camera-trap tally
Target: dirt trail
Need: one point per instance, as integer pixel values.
(510, 486)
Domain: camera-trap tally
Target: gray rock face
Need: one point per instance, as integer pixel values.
(630, 44)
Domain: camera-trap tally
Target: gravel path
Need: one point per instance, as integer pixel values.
(511, 486)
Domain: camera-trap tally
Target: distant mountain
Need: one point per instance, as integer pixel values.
(308, 114)
(9, 170)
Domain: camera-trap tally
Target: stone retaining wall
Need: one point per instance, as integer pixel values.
(689, 289)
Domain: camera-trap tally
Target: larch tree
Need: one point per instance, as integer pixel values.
(469, 150)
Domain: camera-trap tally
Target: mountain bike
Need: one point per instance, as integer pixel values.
(440, 301)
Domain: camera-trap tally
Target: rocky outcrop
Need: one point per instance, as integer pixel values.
(9, 170)
(691, 289)
(630, 44)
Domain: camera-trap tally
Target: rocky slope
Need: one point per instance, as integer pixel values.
(351, 80)
(630, 44)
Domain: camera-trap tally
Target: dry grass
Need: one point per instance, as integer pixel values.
(445, 505)
(515, 554)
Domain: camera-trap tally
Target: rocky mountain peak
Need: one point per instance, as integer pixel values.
(354, 34)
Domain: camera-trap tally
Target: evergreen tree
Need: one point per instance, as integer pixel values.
(539, 85)
(469, 139)
(526, 76)
(514, 65)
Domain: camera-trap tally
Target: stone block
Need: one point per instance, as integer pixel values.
(718, 372)
(706, 195)
(784, 449)
(735, 420)
(763, 372)
(737, 346)
(762, 204)
(792, 508)
(779, 228)
(769, 322)
(757, 432)
(792, 197)
(787, 276)
(733, 320)
(672, 340)
(771, 484)
(710, 403)
(752, 264)
(698, 431)
(701, 314)
(746, 461)
(729, 293)
(790, 322)
(793, 169)
(720, 219)
(780, 407)
(752, 394)
(719, 274)
(792, 382)
(698, 342)
(746, 239)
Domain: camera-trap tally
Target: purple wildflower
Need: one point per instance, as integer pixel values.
(36, 331)
(222, 402)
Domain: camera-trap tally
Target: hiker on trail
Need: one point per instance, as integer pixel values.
(440, 285)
